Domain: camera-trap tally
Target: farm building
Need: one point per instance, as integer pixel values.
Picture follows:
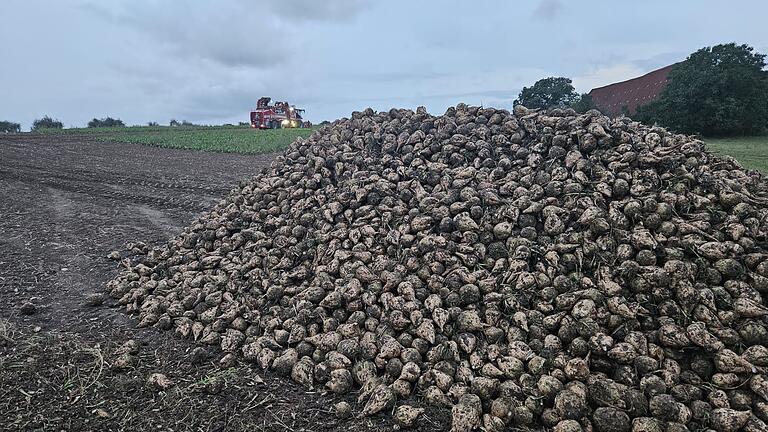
(629, 94)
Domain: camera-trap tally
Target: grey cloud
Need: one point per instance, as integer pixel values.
(397, 76)
(503, 94)
(219, 103)
(325, 10)
(661, 60)
(208, 31)
(548, 9)
(231, 32)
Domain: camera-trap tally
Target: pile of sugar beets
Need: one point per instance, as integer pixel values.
(534, 269)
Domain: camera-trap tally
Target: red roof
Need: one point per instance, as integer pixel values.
(631, 93)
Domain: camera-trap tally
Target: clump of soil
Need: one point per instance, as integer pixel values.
(541, 269)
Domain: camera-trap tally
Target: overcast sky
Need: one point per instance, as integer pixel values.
(209, 61)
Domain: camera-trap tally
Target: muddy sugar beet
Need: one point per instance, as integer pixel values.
(536, 269)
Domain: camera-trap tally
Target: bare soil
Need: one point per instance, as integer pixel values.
(65, 203)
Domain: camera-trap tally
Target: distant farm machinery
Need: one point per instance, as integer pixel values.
(279, 115)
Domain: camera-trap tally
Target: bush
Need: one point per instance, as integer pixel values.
(584, 103)
(719, 90)
(552, 92)
(105, 122)
(46, 123)
(9, 127)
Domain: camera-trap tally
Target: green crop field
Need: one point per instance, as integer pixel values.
(232, 139)
(752, 152)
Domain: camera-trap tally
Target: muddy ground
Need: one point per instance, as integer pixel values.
(65, 203)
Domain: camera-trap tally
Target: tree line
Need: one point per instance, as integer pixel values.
(717, 91)
(48, 122)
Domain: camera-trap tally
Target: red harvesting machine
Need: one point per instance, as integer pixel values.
(279, 115)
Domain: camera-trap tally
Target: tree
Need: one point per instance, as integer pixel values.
(584, 103)
(175, 122)
(46, 123)
(552, 92)
(152, 123)
(105, 122)
(9, 127)
(719, 90)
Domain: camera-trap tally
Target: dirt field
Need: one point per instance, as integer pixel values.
(65, 203)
